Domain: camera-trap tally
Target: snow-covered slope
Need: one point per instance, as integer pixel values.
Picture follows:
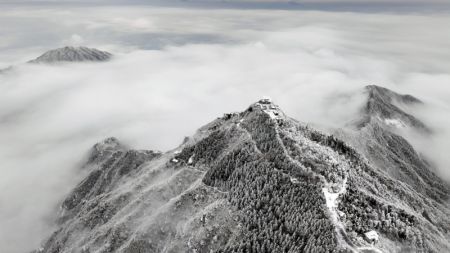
(376, 135)
(253, 181)
(384, 106)
(379, 140)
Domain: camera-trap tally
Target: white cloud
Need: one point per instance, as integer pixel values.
(75, 40)
(208, 62)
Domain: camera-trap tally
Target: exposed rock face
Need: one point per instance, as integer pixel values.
(254, 181)
(72, 54)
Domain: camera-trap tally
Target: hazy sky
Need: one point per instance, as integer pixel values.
(329, 5)
(176, 69)
(240, 1)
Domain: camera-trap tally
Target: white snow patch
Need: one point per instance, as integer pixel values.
(191, 159)
(394, 123)
(370, 248)
(294, 180)
(271, 114)
(331, 202)
(330, 199)
(371, 235)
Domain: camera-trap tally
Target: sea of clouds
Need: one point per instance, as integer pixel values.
(176, 69)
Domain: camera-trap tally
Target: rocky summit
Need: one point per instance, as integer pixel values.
(258, 181)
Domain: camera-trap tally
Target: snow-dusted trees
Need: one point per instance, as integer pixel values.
(277, 215)
(365, 213)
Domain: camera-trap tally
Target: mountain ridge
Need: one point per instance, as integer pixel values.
(383, 144)
(252, 181)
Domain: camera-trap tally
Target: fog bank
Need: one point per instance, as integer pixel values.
(177, 69)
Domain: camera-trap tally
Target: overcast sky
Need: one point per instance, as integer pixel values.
(253, 1)
(176, 69)
(268, 3)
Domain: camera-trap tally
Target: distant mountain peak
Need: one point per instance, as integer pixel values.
(73, 54)
(378, 92)
(383, 105)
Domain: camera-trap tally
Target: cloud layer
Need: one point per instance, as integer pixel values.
(176, 69)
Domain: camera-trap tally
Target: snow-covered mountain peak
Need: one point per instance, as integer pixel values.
(72, 54)
(389, 96)
(387, 108)
(255, 172)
